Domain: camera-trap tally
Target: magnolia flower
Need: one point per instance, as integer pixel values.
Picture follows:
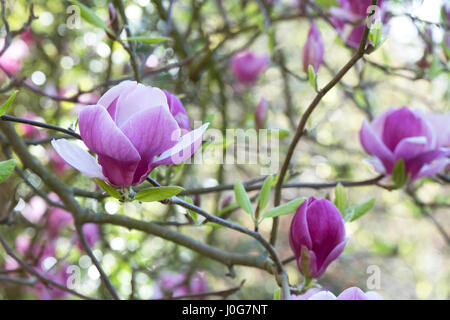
(349, 19)
(408, 135)
(352, 293)
(313, 50)
(12, 59)
(317, 236)
(132, 131)
(261, 114)
(247, 66)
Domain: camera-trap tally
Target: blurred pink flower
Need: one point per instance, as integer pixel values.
(313, 51)
(247, 66)
(35, 209)
(12, 58)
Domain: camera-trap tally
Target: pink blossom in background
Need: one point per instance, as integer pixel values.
(132, 131)
(174, 284)
(22, 244)
(91, 233)
(313, 51)
(261, 114)
(402, 133)
(35, 209)
(57, 220)
(58, 275)
(57, 163)
(350, 17)
(28, 131)
(12, 59)
(318, 228)
(247, 66)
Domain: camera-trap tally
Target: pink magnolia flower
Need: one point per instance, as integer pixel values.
(261, 114)
(352, 293)
(177, 110)
(57, 220)
(349, 19)
(318, 230)
(12, 59)
(405, 134)
(22, 243)
(313, 50)
(132, 131)
(247, 66)
(35, 209)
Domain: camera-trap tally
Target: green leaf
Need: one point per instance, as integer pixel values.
(6, 169)
(91, 17)
(148, 40)
(286, 208)
(277, 294)
(193, 214)
(263, 197)
(5, 107)
(327, 3)
(376, 32)
(312, 77)
(357, 211)
(242, 198)
(157, 193)
(271, 35)
(109, 189)
(399, 174)
(341, 197)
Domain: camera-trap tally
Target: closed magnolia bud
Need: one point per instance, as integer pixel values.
(313, 50)
(261, 114)
(317, 236)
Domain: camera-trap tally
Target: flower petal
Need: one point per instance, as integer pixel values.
(334, 254)
(103, 137)
(184, 149)
(299, 233)
(352, 293)
(410, 147)
(404, 123)
(374, 146)
(109, 98)
(152, 132)
(78, 158)
(116, 154)
(137, 100)
(323, 295)
(429, 170)
(413, 166)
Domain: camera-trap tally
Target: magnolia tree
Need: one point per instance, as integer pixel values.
(224, 149)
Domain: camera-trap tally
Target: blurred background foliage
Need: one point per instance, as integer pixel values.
(396, 235)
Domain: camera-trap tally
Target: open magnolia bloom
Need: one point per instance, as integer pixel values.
(132, 130)
(420, 141)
